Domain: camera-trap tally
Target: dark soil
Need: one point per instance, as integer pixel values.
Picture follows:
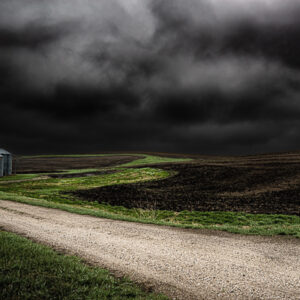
(252, 185)
(54, 164)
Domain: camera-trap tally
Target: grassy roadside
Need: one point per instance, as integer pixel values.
(33, 271)
(242, 223)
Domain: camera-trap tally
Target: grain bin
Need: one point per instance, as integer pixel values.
(1, 165)
(5, 163)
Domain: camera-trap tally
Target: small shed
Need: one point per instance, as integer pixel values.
(5, 163)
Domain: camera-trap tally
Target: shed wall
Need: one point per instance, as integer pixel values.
(7, 164)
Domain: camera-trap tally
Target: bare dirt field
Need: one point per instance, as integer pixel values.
(255, 184)
(184, 264)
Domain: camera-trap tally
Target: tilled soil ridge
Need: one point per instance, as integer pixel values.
(184, 264)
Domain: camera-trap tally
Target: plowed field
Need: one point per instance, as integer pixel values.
(256, 184)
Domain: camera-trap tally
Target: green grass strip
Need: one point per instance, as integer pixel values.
(19, 177)
(242, 223)
(33, 271)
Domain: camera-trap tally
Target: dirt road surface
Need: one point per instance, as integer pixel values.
(183, 264)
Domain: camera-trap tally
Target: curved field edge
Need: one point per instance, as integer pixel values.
(33, 271)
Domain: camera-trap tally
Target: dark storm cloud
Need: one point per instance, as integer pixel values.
(278, 42)
(197, 76)
(271, 31)
(275, 99)
(31, 36)
(66, 102)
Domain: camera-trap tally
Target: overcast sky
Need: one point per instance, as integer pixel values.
(199, 76)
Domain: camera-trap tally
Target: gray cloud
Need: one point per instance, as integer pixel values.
(194, 76)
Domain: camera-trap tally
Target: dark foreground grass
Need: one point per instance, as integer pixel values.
(32, 271)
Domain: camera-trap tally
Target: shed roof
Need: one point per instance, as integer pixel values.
(3, 151)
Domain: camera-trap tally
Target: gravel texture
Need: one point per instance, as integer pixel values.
(183, 264)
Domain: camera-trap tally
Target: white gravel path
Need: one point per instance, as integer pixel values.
(184, 264)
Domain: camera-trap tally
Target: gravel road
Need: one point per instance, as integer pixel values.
(183, 264)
